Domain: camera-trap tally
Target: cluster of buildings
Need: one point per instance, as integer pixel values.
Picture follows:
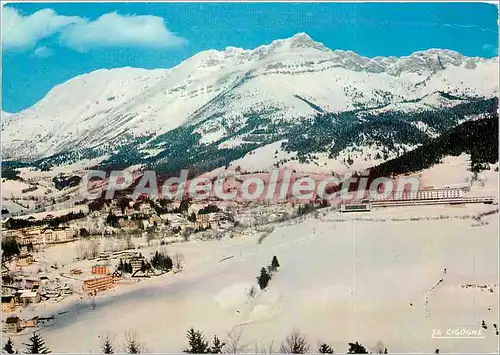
(145, 217)
(41, 235)
(12, 299)
(104, 277)
(14, 324)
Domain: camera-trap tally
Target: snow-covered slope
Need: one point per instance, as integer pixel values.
(284, 81)
(341, 279)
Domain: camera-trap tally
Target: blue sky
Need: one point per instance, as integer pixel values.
(45, 44)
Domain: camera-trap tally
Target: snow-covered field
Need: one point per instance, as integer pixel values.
(340, 281)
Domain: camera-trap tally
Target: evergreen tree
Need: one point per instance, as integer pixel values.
(325, 349)
(263, 279)
(36, 345)
(9, 248)
(132, 346)
(107, 347)
(217, 346)
(356, 348)
(275, 263)
(197, 342)
(9, 346)
(127, 267)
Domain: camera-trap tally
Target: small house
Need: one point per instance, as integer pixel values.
(75, 272)
(12, 324)
(8, 304)
(28, 296)
(29, 323)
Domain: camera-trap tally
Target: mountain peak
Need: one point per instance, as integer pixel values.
(302, 37)
(301, 40)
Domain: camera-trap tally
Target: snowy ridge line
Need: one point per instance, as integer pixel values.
(216, 85)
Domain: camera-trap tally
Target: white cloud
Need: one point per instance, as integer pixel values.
(21, 33)
(115, 30)
(42, 52)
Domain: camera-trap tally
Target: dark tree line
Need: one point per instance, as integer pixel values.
(199, 345)
(162, 262)
(125, 267)
(112, 220)
(477, 138)
(294, 343)
(17, 223)
(209, 209)
(61, 182)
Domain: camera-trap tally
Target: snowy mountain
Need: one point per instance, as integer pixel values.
(221, 105)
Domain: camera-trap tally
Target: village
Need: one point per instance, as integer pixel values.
(107, 242)
(65, 263)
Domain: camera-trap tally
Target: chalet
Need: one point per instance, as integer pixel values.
(12, 324)
(8, 304)
(29, 323)
(28, 296)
